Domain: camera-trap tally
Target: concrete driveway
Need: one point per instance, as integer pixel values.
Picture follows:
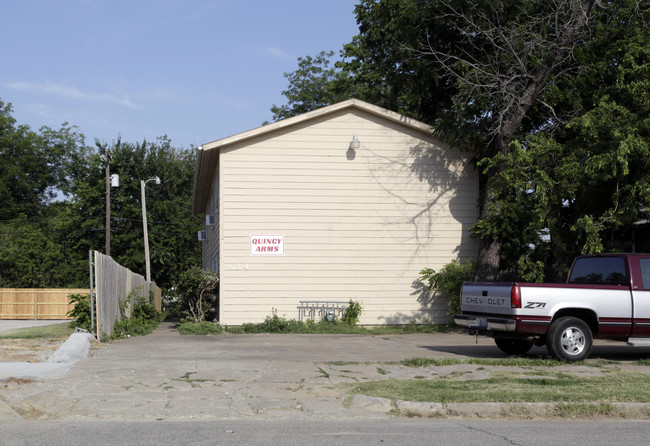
(166, 376)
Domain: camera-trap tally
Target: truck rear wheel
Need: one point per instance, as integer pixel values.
(569, 339)
(513, 346)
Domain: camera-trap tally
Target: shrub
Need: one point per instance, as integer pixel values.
(449, 281)
(199, 328)
(81, 312)
(146, 312)
(199, 298)
(275, 324)
(352, 313)
(280, 324)
(143, 318)
(171, 304)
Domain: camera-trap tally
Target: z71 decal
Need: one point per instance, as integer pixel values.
(535, 305)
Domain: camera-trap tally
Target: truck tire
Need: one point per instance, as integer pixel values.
(569, 339)
(513, 346)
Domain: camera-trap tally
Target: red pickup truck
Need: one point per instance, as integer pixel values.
(606, 296)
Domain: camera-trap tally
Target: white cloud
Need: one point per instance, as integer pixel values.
(174, 95)
(189, 97)
(241, 104)
(40, 109)
(278, 53)
(69, 92)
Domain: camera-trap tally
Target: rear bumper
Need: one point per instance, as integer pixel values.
(485, 323)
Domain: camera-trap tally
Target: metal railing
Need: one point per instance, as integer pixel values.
(317, 310)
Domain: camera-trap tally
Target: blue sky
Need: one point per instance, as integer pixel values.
(195, 70)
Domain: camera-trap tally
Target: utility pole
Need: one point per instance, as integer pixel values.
(107, 160)
(146, 235)
(144, 227)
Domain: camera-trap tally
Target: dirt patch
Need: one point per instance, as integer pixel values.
(12, 381)
(36, 349)
(28, 350)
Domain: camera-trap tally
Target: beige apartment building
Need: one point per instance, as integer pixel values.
(349, 201)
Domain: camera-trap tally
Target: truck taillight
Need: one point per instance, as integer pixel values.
(515, 296)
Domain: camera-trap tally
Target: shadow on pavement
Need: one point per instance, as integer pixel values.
(610, 351)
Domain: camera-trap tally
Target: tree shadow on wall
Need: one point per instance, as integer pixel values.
(452, 180)
(433, 308)
(440, 218)
(452, 186)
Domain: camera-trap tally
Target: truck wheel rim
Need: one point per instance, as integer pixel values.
(573, 341)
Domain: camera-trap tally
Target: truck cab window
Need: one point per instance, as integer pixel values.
(645, 273)
(607, 270)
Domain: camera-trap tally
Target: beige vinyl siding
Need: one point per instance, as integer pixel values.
(211, 259)
(358, 229)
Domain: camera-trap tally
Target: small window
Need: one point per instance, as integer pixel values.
(609, 270)
(645, 273)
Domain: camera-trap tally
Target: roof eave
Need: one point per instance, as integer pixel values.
(350, 103)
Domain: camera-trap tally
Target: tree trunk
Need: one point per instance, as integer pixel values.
(489, 256)
(488, 261)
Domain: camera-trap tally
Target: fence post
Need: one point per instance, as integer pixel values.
(92, 287)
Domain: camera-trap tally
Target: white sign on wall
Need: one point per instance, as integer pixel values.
(267, 245)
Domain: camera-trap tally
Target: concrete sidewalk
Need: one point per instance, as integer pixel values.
(33, 370)
(16, 324)
(165, 376)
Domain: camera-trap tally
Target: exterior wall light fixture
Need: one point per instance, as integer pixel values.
(355, 143)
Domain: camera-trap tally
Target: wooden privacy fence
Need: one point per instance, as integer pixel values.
(117, 287)
(37, 303)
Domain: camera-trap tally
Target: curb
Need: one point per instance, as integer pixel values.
(497, 409)
(76, 347)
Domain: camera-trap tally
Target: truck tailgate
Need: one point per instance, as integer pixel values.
(482, 297)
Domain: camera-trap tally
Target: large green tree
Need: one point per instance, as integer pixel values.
(32, 175)
(315, 84)
(379, 65)
(31, 165)
(512, 81)
(171, 226)
(52, 206)
(588, 182)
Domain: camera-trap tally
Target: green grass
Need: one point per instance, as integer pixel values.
(429, 362)
(194, 382)
(587, 410)
(62, 330)
(336, 327)
(617, 386)
(331, 328)
(279, 324)
(505, 362)
(199, 328)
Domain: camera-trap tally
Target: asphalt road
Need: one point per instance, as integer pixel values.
(327, 433)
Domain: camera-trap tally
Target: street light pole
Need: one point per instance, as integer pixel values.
(107, 160)
(144, 226)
